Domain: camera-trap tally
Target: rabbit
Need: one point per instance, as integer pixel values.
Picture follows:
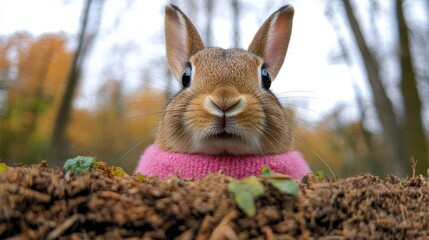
(225, 105)
(225, 118)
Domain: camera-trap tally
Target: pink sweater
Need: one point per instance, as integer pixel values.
(156, 162)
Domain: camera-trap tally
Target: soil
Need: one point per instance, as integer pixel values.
(40, 202)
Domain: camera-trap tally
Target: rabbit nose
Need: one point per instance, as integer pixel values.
(225, 102)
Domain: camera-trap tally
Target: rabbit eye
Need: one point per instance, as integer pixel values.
(266, 79)
(186, 77)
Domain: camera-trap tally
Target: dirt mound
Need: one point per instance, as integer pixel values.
(40, 202)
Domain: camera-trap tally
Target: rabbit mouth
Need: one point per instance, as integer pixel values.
(225, 135)
(225, 142)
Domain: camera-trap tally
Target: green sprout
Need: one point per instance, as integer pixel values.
(80, 164)
(245, 192)
(281, 182)
(3, 167)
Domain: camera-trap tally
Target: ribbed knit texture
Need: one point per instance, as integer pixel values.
(156, 162)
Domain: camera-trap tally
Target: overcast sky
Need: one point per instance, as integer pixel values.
(305, 73)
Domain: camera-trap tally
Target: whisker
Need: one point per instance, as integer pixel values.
(294, 91)
(154, 113)
(145, 101)
(139, 116)
(301, 107)
(299, 97)
(307, 145)
(304, 124)
(141, 139)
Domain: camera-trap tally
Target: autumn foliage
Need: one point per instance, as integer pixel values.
(33, 72)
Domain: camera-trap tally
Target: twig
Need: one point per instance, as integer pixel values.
(413, 163)
(54, 234)
(269, 233)
(224, 230)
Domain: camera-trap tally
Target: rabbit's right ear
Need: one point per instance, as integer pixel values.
(182, 40)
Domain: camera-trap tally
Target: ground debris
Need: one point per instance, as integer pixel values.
(40, 202)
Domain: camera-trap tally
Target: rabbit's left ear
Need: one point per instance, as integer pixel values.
(182, 40)
(272, 39)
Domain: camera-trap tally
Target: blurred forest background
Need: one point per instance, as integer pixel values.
(45, 112)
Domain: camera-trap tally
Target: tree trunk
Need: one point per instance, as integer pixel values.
(236, 22)
(59, 149)
(414, 131)
(391, 129)
(209, 21)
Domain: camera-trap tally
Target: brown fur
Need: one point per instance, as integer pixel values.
(226, 95)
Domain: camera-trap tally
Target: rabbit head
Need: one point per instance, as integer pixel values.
(225, 105)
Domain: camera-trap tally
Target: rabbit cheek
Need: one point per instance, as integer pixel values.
(197, 121)
(252, 123)
(277, 137)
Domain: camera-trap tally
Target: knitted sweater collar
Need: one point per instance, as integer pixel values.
(157, 162)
